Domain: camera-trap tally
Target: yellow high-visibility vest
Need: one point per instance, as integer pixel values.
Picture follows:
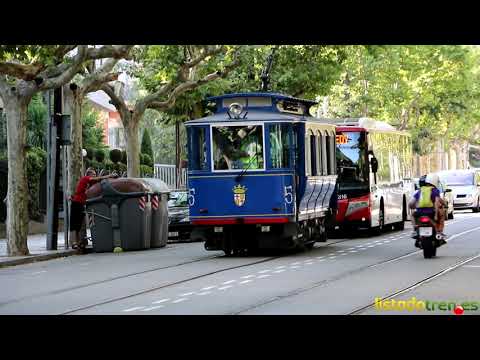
(425, 200)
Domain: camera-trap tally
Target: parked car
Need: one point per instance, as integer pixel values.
(446, 194)
(465, 186)
(179, 226)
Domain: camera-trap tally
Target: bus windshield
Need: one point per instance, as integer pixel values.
(351, 159)
(237, 147)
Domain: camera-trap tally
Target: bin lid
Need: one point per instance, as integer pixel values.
(155, 185)
(121, 185)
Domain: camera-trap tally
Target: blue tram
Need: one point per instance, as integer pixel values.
(261, 173)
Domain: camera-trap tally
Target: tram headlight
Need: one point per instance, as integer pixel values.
(236, 109)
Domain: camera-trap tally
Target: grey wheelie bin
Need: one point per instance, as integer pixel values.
(159, 203)
(120, 215)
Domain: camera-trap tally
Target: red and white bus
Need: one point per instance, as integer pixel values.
(374, 167)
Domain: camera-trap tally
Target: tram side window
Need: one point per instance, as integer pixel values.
(308, 165)
(324, 154)
(313, 155)
(197, 148)
(330, 140)
(280, 145)
(318, 138)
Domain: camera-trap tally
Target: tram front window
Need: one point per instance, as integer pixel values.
(237, 147)
(351, 159)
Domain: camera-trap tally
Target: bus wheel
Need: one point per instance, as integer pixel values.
(378, 230)
(399, 226)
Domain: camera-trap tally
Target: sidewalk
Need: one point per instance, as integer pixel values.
(37, 245)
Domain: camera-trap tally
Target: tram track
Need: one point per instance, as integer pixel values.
(125, 276)
(418, 284)
(191, 278)
(344, 275)
(180, 281)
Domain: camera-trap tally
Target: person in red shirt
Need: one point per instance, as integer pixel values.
(78, 201)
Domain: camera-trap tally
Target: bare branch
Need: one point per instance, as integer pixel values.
(21, 71)
(190, 85)
(94, 82)
(107, 51)
(208, 51)
(3, 85)
(117, 100)
(69, 73)
(110, 51)
(63, 50)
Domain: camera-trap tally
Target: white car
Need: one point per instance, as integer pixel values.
(465, 185)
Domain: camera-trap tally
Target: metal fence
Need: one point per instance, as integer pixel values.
(167, 173)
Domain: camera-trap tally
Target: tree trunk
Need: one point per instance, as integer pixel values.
(74, 101)
(17, 196)
(133, 148)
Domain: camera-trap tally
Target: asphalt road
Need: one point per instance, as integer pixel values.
(342, 276)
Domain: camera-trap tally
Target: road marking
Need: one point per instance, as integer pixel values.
(248, 276)
(371, 245)
(179, 300)
(320, 257)
(245, 281)
(309, 263)
(278, 271)
(134, 308)
(209, 287)
(361, 249)
(188, 294)
(280, 267)
(264, 276)
(264, 271)
(225, 287)
(332, 257)
(321, 260)
(353, 251)
(292, 267)
(343, 254)
(359, 246)
(153, 308)
(387, 241)
(160, 301)
(295, 263)
(39, 272)
(418, 251)
(204, 293)
(472, 266)
(340, 251)
(228, 282)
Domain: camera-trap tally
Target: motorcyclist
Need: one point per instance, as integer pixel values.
(427, 201)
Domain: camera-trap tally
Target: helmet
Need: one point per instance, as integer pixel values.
(432, 179)
(421, 181)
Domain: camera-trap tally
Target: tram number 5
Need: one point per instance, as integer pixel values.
(289, 194)
(191, 196)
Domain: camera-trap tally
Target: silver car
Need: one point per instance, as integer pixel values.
(465, 185)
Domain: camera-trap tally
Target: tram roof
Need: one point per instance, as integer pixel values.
(254, 115)
(263, 101)
(262, 94)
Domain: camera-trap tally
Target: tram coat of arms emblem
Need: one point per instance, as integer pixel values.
(239, 195)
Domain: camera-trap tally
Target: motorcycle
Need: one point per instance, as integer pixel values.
(427, 238)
